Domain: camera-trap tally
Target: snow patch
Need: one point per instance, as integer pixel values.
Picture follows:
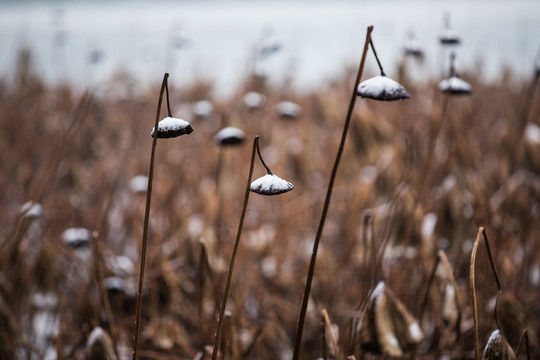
(382, 88)
(455, 85)
(270, 185)
(172, 127)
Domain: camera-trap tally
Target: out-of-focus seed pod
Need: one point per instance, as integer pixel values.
(497, 348)
(230, 136)
(99, 346)
(289, 110)
(387, 327)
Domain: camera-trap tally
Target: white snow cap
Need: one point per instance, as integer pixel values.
(172, 127)
(455, 85)
(76, 237)
(31, 210)
(230, 136)
(270, 184)
(95, 335)
(288, 109)
(138, 184)
(532, 133)
(381, 87)
(253, 100)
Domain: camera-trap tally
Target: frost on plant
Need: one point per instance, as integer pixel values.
(382, 88)
(270, 185)
(172, 127)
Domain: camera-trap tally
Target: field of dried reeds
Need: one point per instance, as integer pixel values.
(74, 160)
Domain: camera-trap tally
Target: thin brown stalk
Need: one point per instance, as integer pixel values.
(235, 250)
(330, 333)
(473, 293)
(450, 274)
(524, 339)
(311, 271)
(146, 219)
(98, 266)
(481, 232)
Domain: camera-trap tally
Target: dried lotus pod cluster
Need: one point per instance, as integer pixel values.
(386, 326)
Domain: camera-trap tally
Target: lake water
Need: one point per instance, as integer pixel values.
(85, 43)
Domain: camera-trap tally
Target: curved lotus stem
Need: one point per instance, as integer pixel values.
(235, 250)
(311, 271)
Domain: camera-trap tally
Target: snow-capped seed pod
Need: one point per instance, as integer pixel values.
(382, 88)
(230, 136)
(455, 86)
(289, 110)
(99, 346)
(448, 36)
(387, 327)
(498, 348)
(253, 100)
(76, 237)
(413, 47)
(271, 184)
(138, 184)
(203, 109)
(31, 210)
(171, 127)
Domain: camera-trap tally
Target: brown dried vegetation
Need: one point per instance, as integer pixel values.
(75, 154)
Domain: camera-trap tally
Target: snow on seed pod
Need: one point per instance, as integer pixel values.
(289, 110)
(455, 86)
(76, 237)
(497, 348)
(382, 88)
(271, 184)
(253, 100)
(230, 136)
(171, 127)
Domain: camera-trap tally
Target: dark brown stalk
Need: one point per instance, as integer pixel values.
(235, 250)
(311, 271)
(376, 57)
(146, 219)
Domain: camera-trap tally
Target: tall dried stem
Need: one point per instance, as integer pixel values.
(146, 219)
(235, 250)
(311, 271)
(481, 232)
